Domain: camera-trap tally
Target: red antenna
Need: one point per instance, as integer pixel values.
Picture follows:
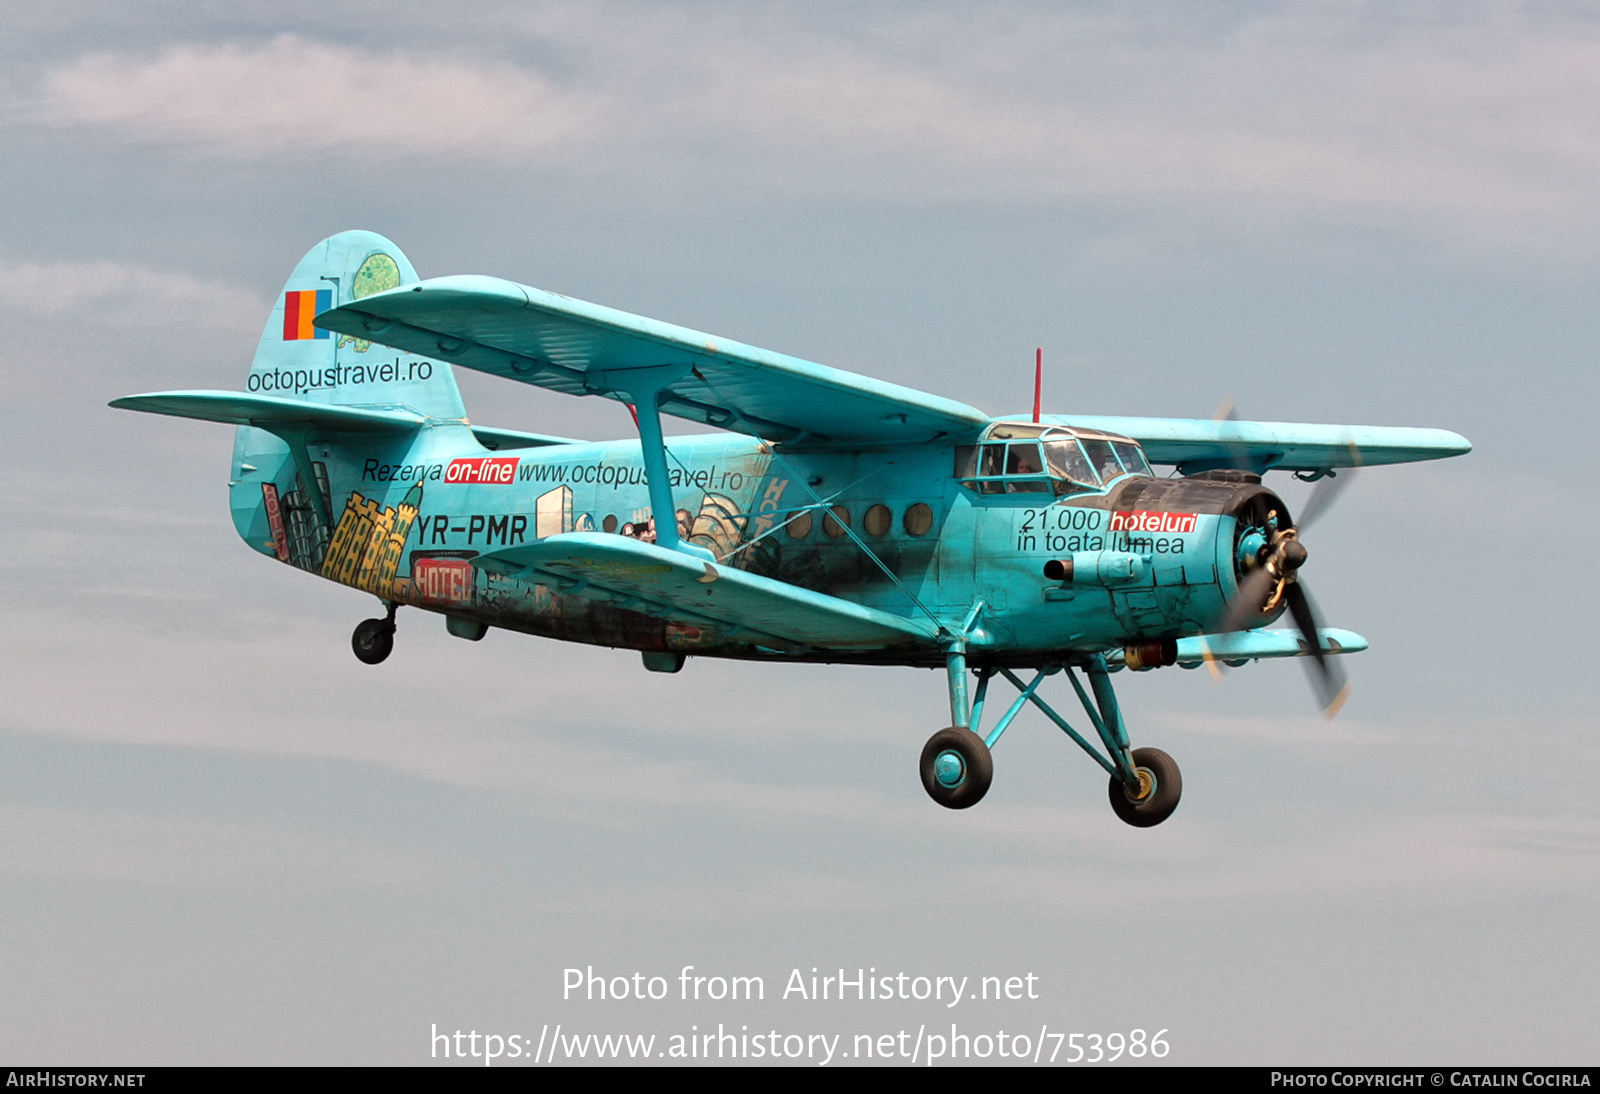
(1038, 381)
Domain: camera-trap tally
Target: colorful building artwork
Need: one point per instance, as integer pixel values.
(308, 535)
(280, 538)
(718, 527)
(553, 512)
(369, 541)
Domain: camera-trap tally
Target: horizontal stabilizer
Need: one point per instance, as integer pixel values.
(643, 577)
(269, 411)
(1194, 444)
(1250, 645)
(526, 334)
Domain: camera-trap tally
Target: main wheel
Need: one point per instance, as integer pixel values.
(373, 640)
(1161, 785)
(956, 768)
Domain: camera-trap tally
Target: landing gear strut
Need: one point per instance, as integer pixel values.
(373, 639)
(956, 766)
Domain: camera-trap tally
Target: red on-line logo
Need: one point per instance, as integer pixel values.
(483, 470)
(1142, 520)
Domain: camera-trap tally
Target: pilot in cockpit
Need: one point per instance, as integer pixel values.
(1024, 460)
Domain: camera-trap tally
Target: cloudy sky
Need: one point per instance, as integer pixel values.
(224, 840)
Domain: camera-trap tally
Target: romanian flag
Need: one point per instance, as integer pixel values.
(298, 310)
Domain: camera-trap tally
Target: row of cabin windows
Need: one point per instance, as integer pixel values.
(875, 522)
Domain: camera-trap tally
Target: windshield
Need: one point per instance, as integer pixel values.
(1068, 462)
(1103, 459)
(1132, 458)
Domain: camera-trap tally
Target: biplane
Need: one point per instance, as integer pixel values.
(830, 518)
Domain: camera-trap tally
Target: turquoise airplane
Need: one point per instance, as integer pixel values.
(833, 518)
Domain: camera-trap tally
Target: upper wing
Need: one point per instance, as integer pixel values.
(567, 345)
(1200, 444)
(652, 579)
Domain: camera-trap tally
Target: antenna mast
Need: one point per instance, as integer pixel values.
(1038, 381)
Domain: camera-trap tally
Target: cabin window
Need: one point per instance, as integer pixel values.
(876, 520)
(800, 526)
(835, 521)
(918, 520)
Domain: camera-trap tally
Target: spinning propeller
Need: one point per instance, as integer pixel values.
(1271, 557)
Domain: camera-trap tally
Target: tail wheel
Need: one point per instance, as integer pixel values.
(373, 640)
(956, 768)
(1160, 787)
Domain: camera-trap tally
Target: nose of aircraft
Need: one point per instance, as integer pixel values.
(1269, 559)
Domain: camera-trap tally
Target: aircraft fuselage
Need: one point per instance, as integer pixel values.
(1155, 558)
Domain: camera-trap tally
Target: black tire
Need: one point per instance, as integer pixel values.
(373, 640)
(1158, 805)
(976, 768)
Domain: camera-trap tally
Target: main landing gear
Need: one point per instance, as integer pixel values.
(373, 639)
(956, 766)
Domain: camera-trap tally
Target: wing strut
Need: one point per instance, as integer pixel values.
(849, 531)
(643, 387)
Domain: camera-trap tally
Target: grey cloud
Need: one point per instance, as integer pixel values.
(1488, 130)
(120, 294)
(291, 98)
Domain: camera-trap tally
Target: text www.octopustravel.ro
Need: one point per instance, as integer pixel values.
(904, 1046)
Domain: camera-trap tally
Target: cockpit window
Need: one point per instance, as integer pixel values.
(1132, 458)
(1024, 458)
(1025, 470)
(1068, 463)
(1103, 458)
(994, 468)
(1009, 431)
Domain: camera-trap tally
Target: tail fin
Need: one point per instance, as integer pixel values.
(297, 360)
(281, 495)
